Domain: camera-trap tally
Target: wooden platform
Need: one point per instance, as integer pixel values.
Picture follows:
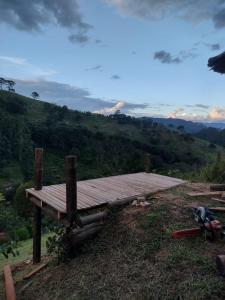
(102, 191)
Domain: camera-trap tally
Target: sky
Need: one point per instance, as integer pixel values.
(144, 57)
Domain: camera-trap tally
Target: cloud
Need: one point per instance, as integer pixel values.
(11, 65)
(166, 58)
(80, 38)
(115, 77)
(215, 114)
(178, 113)
(214, 47)
(95, 68)
(72, 96)
(202, 106)
(194, 11)
(34, 15)
(219, 18)
(111, 110)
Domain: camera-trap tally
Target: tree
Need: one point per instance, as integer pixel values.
(10, 85)
(2, 82)
(35, 95)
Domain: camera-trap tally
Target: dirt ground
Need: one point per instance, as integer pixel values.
(135, 257)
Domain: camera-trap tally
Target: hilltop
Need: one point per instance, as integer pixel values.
(105, 145)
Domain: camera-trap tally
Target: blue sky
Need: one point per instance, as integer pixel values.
(144, 57)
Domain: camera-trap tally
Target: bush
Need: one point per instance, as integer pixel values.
(22, 233)
(22, 205)
(215, 172)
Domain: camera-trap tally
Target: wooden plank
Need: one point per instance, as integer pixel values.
(203, 194)
(9, 283)
(218, 209)
(218, 200)
(62, 197)
(84, 201)
(35, 271)
(47, 198)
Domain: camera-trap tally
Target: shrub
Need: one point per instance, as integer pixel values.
(22, 233)
(20, 203)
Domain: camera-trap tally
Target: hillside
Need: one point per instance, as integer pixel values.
(188, 126)
(134, 257)
(104, 145)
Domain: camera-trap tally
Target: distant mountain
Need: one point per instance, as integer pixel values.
(188, 126)
(219, 125)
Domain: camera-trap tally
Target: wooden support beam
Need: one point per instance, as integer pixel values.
(36, 234)
(220, 262)
(147, 163)
(38, 169)
(71, 188)
(9, 284)
(217, 209)
(217, 187)
(85, 220)
(35, 271)
(37, 210)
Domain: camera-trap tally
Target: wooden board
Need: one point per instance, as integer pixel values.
(204, 194)
(102, 191)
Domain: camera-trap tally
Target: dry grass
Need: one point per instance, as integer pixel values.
(135, 259)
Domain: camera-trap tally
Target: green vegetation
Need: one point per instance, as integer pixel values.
(25, 250)
(104, 145)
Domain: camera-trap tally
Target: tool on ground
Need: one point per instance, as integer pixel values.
(210, 226)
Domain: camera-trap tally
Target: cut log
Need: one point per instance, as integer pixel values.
(217, 209)
(217, 187)
(220, 262)
(80, 235)
(218, 200)
(9, 284)
(204, 194)
(85, 220)
(35, 271)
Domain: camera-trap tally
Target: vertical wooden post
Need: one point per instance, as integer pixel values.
(36, 209)
(38, 169)
(71, 188)
(147, 163)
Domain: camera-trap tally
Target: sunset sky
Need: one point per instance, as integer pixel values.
(145, 57)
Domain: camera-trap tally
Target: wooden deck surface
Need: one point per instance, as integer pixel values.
(101, 191)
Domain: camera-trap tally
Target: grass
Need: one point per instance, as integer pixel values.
(25, 249)
(133, 258)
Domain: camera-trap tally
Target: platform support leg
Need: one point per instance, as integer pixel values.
(147, 163)
(36, 235)
(38, 178)
(71, 189)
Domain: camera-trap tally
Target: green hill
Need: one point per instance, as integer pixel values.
(104, 145)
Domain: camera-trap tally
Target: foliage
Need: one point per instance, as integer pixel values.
(57, 244)
(8, 249)
(214, 172)
(21, 203)
(105, 145)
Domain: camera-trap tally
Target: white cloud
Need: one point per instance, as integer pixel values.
(110, 110)
(215, 114)
(21, 67)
